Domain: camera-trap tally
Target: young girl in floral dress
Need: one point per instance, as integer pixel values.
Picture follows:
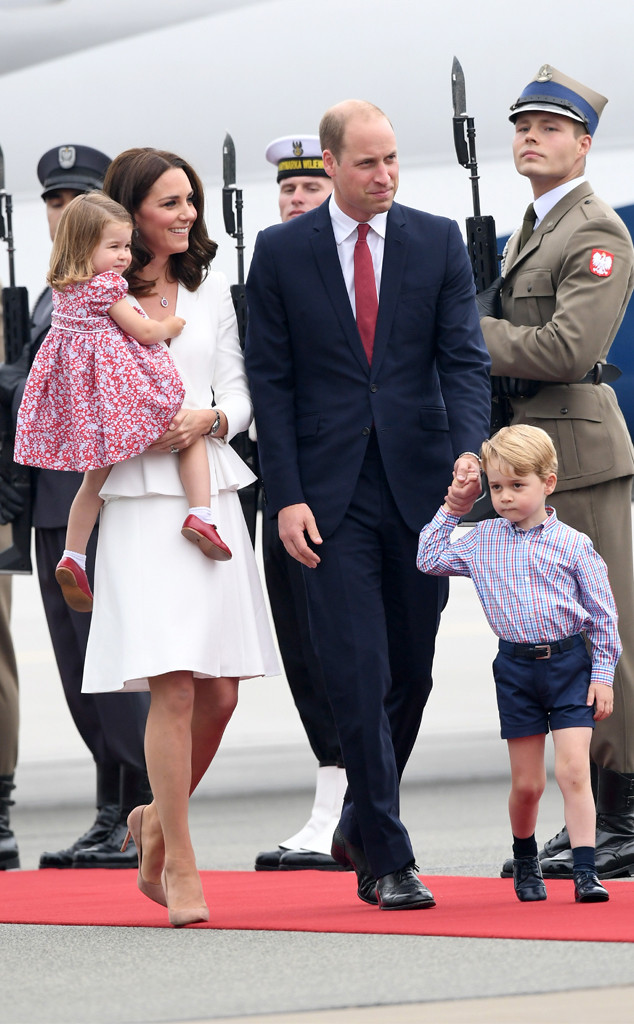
(102, 387)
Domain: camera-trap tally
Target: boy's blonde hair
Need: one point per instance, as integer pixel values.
(78, 234)
(522, 448)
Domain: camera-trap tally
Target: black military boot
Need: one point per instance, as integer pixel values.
(9, 854)
(134, 789)
(107, 816)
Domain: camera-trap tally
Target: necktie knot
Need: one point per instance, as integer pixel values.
(362, 231)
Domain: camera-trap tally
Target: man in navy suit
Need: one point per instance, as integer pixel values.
(356, 445)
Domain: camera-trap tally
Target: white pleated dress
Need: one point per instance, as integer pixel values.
(161, 605)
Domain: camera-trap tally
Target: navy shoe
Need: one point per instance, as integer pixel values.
(588, 888)
(528, 879)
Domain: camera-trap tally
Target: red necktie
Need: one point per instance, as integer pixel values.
(365, 296)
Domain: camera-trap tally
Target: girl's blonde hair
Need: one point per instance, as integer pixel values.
(78, 234)
(522, 448)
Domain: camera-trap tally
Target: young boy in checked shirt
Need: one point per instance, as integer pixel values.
(541, 585)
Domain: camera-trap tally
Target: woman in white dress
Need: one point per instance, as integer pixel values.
(165, 617)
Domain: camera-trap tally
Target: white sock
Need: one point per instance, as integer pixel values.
(76, 557)
(203, 513)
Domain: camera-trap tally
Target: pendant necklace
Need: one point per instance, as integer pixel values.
(164, 302)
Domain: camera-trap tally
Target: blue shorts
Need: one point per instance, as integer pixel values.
(551, 692)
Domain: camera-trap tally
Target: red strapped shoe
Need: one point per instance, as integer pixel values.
(74, 583)
(207, 538)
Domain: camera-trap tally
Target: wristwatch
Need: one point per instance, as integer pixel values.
(216, 425)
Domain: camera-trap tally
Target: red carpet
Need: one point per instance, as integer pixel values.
(319, 901)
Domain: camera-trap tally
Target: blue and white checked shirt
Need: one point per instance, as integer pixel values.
(535, 586)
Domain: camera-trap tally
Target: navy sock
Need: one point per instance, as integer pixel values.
(583, 858)
(524, 847)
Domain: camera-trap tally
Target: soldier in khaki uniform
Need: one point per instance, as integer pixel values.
(567, 278)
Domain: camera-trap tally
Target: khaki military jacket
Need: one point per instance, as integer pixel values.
(563, 299)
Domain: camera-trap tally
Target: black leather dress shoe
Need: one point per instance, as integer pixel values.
(403, 890)
(349, 856)
(107, 854)
(552, 848)
(588, 888)
(307, 860)
(107, 818)
(269, 860)
(528, 879)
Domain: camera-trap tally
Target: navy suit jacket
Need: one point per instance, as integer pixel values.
(316, 398)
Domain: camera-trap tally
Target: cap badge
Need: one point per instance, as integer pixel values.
(545, 73)
(66, 156)
(601, 262)
(298, 149)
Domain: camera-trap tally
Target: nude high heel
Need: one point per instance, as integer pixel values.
(189, 915)
(153, 890)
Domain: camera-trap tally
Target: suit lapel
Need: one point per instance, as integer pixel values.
(394, 258)
(325, 253)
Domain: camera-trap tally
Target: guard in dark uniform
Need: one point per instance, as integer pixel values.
(304, 184)
(112, 732)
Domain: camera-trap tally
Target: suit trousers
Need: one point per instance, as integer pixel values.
(9, 694)
(287, 597)
(112, 725)
(374, 619)
(604, 513)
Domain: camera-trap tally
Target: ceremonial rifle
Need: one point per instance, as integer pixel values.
(242, 443)
(15, 480)
(481, 238)
(482, 250)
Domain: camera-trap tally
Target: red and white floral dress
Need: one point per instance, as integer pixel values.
(94, 395)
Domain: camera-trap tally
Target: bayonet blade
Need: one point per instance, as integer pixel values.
(1, 170)
(458, 91)
(229, 162)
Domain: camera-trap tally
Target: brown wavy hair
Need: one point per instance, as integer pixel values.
(78, 234)
(128, 180)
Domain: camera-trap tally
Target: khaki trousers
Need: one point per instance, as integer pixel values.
(604, 513)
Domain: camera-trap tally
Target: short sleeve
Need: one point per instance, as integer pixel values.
(106, 289)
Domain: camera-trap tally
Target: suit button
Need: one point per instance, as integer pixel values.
(529, 288)
(365, 431)
(374, 387)
(564, 411)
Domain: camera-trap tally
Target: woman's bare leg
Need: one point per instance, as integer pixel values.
(168, 754)
(214, 701)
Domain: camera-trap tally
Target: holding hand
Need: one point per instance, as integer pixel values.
(465, 487)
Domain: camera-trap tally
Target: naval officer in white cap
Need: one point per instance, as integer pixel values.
(304, 185)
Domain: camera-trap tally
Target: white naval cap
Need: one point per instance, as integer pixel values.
(296, 155)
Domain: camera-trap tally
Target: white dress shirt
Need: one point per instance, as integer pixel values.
(345, 231)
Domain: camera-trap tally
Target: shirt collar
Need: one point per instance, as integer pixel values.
(343, 225)
(547, 524)
(545, 203)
